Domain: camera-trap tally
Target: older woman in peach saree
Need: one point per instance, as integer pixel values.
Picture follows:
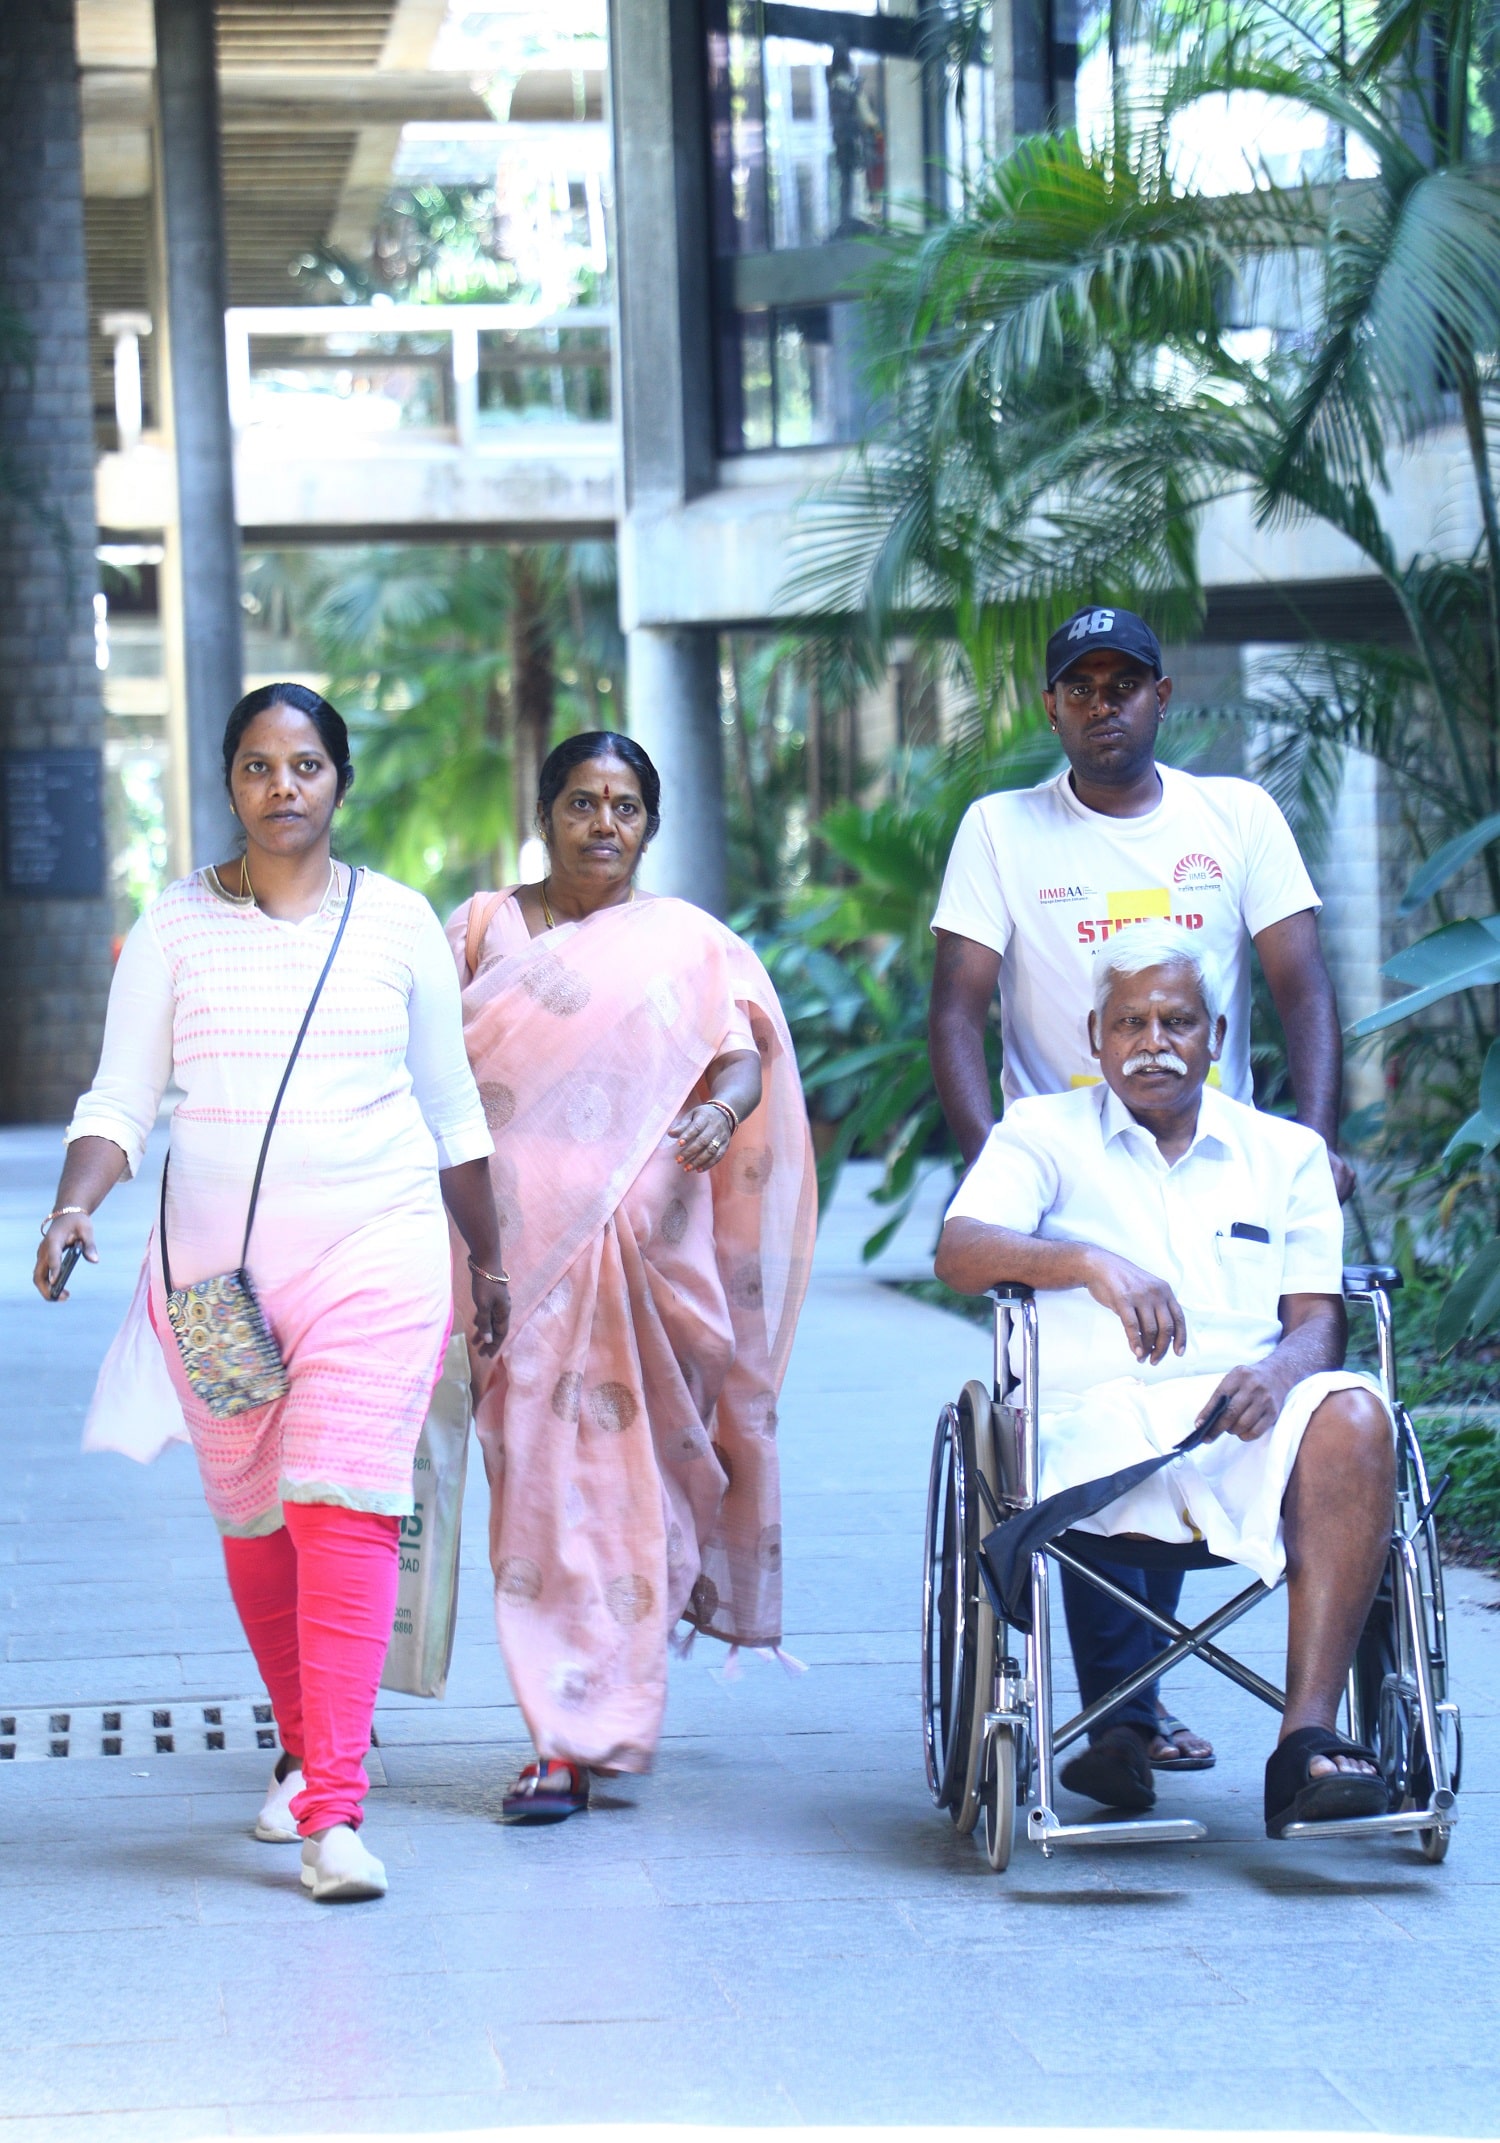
(654, 1175)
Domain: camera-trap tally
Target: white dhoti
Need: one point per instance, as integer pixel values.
(1227, 1493)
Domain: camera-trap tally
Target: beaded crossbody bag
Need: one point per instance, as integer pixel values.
(228, 1350)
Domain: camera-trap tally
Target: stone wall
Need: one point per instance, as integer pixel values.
(54, 953)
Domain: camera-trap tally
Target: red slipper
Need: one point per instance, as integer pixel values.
(547, 1792)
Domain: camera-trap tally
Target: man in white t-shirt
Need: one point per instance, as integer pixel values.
(1041, 879)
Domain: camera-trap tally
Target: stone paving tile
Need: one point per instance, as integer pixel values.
(69, 1989)
(775, 1927)
(1456, 2097)
(163, 2124)
(426, 2113)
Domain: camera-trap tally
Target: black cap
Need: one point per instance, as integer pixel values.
(1089, 629)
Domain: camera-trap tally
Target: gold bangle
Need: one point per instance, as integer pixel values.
(734, 1122)
(499, 1279)
(60, 1212)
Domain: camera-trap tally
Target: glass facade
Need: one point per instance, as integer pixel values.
(825, 126)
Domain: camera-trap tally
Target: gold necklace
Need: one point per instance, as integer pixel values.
(551, 920)
(247, 890)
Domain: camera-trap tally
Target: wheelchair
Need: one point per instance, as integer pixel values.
(990, 1739)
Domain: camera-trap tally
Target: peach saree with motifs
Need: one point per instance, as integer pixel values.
(629, 1424)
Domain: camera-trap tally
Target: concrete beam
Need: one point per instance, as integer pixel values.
(278, 98)
(725, 558)
(362, 195)
(293, 489)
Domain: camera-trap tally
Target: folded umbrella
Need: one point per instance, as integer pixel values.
(1005, 1554)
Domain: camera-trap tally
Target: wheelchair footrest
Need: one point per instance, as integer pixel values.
(1144, 1830)
(1406, 1819)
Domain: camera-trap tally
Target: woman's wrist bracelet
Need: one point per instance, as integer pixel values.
(60, 1212)
(734, 1122)
(499, 1279)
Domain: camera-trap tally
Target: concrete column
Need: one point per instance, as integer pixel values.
(658, 73)
(673, 680)
(1352, 922)
(55, 921)
(192, 215)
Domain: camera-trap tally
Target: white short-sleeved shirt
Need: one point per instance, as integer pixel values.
(1078, 1168)
(1045, 883)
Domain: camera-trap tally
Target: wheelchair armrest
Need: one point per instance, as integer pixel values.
(1012, 1291)
(1364, 1279)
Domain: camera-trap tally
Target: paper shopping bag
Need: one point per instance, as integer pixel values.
(421, 1644)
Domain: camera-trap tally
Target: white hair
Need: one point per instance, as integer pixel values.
(1154, 943)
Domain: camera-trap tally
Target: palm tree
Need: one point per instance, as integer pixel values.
(454, 667)
(1072, 386)
(1071, 391)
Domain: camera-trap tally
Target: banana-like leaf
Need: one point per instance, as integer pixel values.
(1489, 1089)
(1447, 860)
(1419, 1000)
(1474, 1131)
(1444, 955)
(1472, 1301)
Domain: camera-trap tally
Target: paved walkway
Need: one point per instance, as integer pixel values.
(775, 1928)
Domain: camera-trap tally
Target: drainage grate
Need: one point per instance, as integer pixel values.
(173, 1729)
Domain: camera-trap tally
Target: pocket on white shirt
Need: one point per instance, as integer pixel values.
(1249, 1273)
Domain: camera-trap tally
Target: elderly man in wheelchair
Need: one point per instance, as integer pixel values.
(1174, 1261)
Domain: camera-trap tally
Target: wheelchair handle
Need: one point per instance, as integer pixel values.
(1012, 1291)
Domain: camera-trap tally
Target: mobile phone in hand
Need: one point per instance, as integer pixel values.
(70, 1258)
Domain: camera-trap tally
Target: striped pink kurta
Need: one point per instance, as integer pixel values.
(350, 1252)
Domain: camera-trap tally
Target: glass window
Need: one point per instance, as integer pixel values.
(351, 383)
(819, 123)
(795, 378)
(544, 375)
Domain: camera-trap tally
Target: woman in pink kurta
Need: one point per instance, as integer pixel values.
(379, 1129)
(654, 1178)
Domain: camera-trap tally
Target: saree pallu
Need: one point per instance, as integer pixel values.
(629, 1424)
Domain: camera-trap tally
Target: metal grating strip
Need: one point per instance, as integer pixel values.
(185, 1727)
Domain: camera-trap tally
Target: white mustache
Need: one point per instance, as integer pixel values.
(1152, 1060)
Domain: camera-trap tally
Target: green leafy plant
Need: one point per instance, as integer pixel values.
(1094, 354)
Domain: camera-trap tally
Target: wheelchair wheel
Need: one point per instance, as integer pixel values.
(958, 1629)
(945, 1657)
(977, 1438)
(1001, 1766)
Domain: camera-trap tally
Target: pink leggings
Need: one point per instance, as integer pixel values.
(317, 1598)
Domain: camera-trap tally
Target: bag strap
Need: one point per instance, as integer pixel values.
(482, 911)
(312, 1005)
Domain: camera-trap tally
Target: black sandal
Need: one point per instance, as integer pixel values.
(547, 1792)
(1294, 1796)
(1115, 1769)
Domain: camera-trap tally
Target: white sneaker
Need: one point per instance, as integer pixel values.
(337, 1868)
(276, 1824)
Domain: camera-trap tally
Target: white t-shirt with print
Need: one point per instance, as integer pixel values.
(1046, 883)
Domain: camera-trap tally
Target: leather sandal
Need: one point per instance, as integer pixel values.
(1293, 1795)
(1171, 1731)
(547, 1792)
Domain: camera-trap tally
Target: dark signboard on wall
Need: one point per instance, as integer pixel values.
(52, 824)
